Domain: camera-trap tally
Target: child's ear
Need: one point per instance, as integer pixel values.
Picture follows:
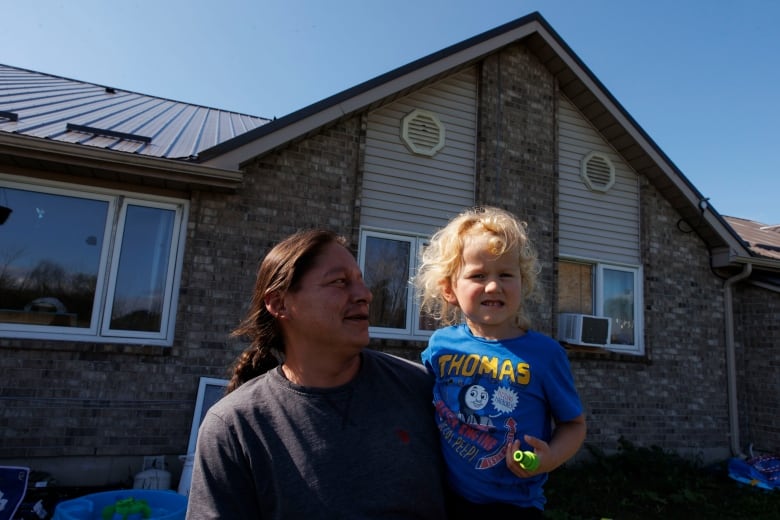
(448, 293)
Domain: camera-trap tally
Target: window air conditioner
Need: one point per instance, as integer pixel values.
(583, 329)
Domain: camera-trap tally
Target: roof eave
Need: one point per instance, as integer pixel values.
(727, 257)
(165, 171)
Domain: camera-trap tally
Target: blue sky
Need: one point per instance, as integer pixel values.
(700, 76)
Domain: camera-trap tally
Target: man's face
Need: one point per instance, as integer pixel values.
(330, 304)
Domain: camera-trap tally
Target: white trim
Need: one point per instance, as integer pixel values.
(413, 142)
(108, 260)
(170, 275)
(200, 402)
(638, 347)
(130, 163)
(411, 330)
(585, 172)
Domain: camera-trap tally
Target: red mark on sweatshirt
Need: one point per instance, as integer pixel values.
(403, 435)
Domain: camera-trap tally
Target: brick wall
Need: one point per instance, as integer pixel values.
(675, 396)
(757, 334)
(516, 142)
(308, 184)
(108, 405)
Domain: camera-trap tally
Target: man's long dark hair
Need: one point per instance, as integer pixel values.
(280, 271)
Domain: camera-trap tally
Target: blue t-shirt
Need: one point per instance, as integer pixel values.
(487, 394)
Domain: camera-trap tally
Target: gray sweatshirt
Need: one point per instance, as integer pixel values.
(368, 449)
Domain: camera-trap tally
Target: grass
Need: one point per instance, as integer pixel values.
(649, 483)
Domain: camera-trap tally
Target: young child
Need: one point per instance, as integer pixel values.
(500, 386)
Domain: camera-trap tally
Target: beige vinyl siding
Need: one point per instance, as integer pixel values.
(403, 191)
(593, 225)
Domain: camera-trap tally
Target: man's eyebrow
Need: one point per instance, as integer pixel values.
(345, 271)
(335, 271)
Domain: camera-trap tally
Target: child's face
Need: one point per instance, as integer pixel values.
(488, 290)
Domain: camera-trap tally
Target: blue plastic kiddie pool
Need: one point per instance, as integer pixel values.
(126, 504)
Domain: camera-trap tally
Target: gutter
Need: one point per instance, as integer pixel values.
(171, 170)
(731, 364)
(766, 286)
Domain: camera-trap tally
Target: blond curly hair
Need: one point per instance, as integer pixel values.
(442, 259)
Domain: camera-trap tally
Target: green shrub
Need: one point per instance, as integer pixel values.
(650, 483)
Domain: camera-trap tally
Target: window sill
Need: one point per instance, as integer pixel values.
(85, 346)
(580, 352)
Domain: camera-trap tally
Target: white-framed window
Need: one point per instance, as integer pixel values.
(388, 261)
(88, 264)
(210, 390)
(604, 289)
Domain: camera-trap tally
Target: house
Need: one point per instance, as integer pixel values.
(137, 224)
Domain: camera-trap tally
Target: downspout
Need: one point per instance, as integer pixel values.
(731, 363)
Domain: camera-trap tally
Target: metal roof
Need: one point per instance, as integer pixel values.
(70, 111)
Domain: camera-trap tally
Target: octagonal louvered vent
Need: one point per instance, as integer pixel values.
(422, 132)
(597, 172)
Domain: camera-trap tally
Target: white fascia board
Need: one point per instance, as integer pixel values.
(89, 156)
(233, 159)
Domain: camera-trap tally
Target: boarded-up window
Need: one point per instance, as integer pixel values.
(575, 287)
(612, 291)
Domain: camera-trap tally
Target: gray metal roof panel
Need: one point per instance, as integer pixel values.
(47, 104)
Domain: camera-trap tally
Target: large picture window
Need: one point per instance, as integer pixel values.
(96, 265)
(606, 290)
(388, 261)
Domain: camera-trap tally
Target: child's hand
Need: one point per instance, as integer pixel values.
(540, 449)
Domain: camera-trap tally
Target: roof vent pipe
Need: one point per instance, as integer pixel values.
(731, 363)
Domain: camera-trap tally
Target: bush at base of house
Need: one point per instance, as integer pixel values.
(650, 483)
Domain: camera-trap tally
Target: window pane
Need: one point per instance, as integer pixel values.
(575, 287)
(427, 323)
(386, 273)
(50, 250)
(619, 304)
(141, 277)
